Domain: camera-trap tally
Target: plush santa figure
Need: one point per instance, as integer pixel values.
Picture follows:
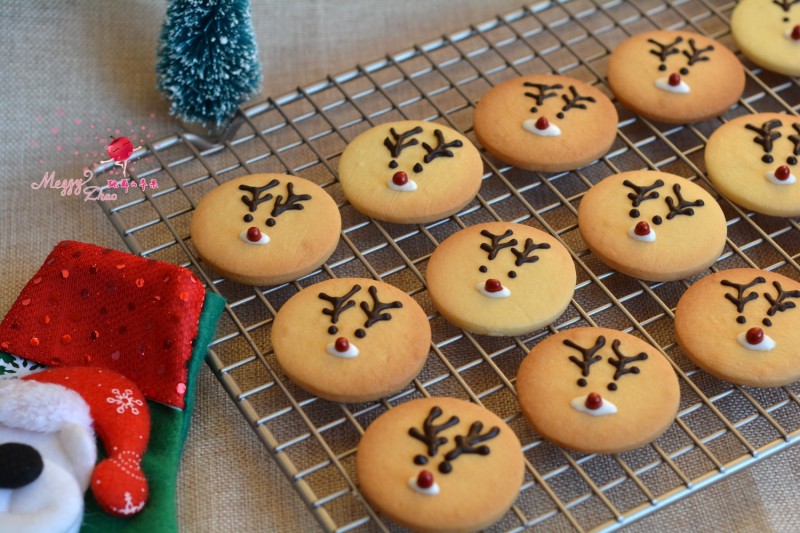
(48, 450)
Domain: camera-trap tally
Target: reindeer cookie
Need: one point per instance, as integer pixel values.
(752, 161)
(743, 326)
(501, 278)
(351, 339)
(675, 77)
(597, 390)
(410, 172)
(768, 33)
(545, 122)
(652, 225)
(440, 465)
(266, 229)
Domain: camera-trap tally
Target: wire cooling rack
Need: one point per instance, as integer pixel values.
(720, 428)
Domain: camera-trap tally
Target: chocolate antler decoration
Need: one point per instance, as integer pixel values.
(375, 314)
(589, 357)
(468, 444)
(796, 138)
(441, 149)
(644, 193)
(785, 4)
(497, 242)
(576, 100)
(765, 134)
(779, 304)
(741, 299)
(665, 50)
(292, 203)
(340, 303)
(400, 144)
(256, 199)
(684, 207)
(544, 92)
(525, 256)
(430, 430)
(696, 54)
(621, 363)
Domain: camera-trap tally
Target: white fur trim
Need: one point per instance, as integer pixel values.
(43, 407)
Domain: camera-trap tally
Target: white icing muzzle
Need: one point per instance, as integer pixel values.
(433, 490)
(352, 351)
(650, 237)
(681, 88)
(770, 175)
(766, 344)
(505, 292)
(263, 240)
(550, 131)
(606, 408)
(411, 185)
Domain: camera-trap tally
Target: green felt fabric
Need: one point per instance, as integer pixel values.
(169, 428)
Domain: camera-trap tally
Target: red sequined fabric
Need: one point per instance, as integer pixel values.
(92, 306)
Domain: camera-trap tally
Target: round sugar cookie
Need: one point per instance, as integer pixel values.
(676, 77)
(410, 172)
(265, 229)
(652, 225)
(753, 161)
(501, 278)
(351, 339)
(597, 390)
(768, 33)
(440, 465)
(545, 122)
(743, 326)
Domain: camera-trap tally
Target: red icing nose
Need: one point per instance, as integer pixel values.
(493, 285)
(796, 33)
(400, 178)
(782, 172)
(674, 79)
(341, 344)
(425, 480)
(754, 335)
(594, 401)
(642, 228)
(253, 234)
(542, 123)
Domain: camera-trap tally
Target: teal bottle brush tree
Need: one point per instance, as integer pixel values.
(208, 63)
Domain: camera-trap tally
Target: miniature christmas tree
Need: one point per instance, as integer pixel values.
(208, 59)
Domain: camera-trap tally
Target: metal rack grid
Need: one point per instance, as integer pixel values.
(720, 428)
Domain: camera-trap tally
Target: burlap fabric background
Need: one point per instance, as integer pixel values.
(93, 62)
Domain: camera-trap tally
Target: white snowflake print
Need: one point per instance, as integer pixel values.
(124, 401)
